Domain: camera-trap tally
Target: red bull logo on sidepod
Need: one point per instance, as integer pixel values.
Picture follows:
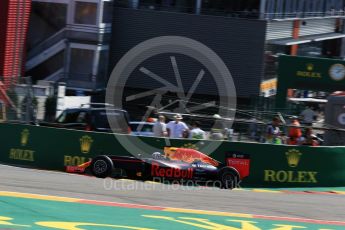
(158, 171)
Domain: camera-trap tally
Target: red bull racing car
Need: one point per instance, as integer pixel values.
(181, 164)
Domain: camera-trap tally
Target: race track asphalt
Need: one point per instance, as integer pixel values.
(314, 206)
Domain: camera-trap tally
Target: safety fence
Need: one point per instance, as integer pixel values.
(27, 103)
(271, 165)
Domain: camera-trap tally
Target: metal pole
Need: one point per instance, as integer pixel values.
(262, 9)
(60, 98)
(135, 4)
(198, 6)
(28, 101)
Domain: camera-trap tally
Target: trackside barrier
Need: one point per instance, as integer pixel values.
(271, 165)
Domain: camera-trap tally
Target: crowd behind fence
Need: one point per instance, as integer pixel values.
(254, 126)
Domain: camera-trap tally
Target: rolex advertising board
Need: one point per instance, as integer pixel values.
(293, 175)
(22, 151)
(268, 166)
(50, 148)
(85, 143)
(289, 166)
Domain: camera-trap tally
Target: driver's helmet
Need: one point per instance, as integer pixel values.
(157, 155)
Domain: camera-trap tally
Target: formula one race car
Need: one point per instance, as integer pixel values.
(176, 164)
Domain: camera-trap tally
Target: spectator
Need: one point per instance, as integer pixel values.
(295, 131)
(308, 116)
(177, 128)
(309, 138)
(272, 131)
(283, 138)
(160, 128)
(217, 131)
(196, 132)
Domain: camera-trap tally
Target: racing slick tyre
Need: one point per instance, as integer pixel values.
(101, 166)
(229, 178)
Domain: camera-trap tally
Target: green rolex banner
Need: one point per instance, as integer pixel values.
(270, 165)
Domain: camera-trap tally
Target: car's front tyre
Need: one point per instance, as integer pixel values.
(101, 166)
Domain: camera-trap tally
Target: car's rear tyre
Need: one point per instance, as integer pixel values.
(229, 178)
(101, 166)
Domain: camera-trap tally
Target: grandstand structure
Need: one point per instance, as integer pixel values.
(14, 19)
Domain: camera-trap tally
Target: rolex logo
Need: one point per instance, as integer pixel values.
(310, 67)
(293, 156)
(85, 144)
(24, 137)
